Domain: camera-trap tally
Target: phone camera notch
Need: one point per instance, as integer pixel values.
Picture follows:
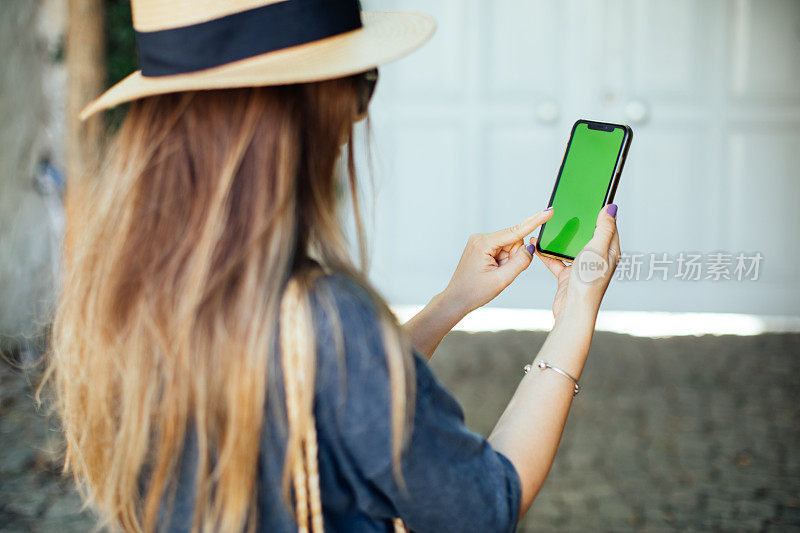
(600, 127)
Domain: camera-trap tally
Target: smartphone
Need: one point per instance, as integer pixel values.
(586, 182)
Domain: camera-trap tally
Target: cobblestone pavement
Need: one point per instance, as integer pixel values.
(33, 495)
(687, 433)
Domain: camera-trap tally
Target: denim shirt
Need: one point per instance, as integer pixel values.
(454, 480)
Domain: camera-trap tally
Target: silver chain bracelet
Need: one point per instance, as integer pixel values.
(544, 365)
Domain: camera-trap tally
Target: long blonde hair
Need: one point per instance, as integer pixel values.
(209, 204)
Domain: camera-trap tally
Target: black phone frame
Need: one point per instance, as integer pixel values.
(613, 181)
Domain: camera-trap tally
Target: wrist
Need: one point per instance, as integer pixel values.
(578, 314)
(449, 307)
(569, 341)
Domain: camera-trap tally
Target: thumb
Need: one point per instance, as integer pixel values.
(605, 229)
(520, 260)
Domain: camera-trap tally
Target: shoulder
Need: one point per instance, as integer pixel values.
(353, 377)
(342, 299)
(349, 319)
(346, 288)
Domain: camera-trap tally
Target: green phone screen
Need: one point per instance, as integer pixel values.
(581, 189)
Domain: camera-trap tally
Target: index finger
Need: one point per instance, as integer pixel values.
(519, 231)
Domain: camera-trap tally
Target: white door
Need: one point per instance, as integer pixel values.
(470, 131)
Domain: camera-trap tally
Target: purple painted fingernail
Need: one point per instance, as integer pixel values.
(612, 210)
(531, 248)
(549, 209)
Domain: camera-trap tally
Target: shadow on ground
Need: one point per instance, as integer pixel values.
(668, 434)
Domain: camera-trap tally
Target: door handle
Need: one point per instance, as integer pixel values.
(637, 111)
(547, 112)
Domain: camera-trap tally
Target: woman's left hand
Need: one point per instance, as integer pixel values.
(490, 262)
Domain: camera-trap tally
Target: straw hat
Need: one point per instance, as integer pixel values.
(186, 45)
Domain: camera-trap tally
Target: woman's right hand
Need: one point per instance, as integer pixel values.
(581, 286)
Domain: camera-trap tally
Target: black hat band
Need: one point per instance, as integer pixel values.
(245, 34)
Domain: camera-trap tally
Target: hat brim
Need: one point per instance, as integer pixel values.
(385, 37)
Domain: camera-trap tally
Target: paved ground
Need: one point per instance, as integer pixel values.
(671, 434)
(33, 496)
(689, 433)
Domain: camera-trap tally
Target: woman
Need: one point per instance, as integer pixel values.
(219, 362)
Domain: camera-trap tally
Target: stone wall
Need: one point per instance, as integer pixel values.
(31, 119)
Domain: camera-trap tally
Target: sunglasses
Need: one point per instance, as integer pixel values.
(366, 88)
